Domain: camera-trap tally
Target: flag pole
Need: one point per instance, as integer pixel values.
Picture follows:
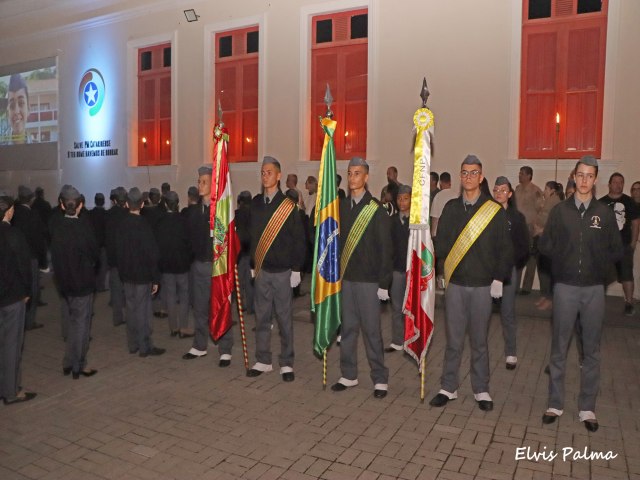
(243, 334)
(324, 369)
(422, 375)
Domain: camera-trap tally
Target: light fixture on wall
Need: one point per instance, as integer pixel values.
(191, 15)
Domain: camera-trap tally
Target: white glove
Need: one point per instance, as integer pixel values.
(295, 279)
(383, 294)
(496, 289)
(253, 273)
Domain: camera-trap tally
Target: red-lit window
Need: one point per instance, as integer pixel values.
(562, 75)
(236, 88)
(339, 58)
(154, 105)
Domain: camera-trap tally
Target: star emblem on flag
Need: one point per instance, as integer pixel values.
(90, 94)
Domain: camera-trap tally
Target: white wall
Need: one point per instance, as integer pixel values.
(468, 50)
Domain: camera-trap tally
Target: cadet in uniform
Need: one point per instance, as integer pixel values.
(74, 255)
(115, 215)
(400, 243)
(15, 285)
(582, 239)
(366, 267)
(137, 262)
(277, 253)
(475, 251)
(201, 268)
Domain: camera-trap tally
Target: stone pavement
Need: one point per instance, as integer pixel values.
(167, 418)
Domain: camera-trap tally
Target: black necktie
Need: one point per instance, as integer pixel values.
(581, 209)
(404, 220)
(353, 204)
(267, 200)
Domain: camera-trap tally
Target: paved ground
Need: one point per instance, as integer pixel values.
(166, 418)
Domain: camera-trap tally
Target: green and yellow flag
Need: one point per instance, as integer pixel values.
(326, 283)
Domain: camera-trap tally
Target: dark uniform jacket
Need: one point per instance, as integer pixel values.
(287, 251)
(371, 260)
(153, 214)
(98, 216)
(243, 226)
(74, 255)
(491, 255)
(581, 249)
(137, 251)
(173, 243)
(400, 242)
(115, 215)
(519, 236)
(34, 230)
(199, 232)
(15, 265)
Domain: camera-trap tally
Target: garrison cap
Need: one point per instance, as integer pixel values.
(120, 194)
(404, 189)
(193, 192)
(68, 192)
(135, 195)
(171, 196)
(99, 196)
(358, 162)
(244, 195)
(205, 170)
(273, 160)
(589, 160)
(24, 193)
(154, 191)
(471, 160)
(502, 180)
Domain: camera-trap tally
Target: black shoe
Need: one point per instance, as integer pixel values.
(379, 393)
(160, 314)
(511, 366)
(191, 356)
(629, 311)
(524, 292)
(154, 352)
(338, 387)
(134, 351)
(288, 377)
(390, 350)
(186, 335)
(440, 400)
(546, 370)
(34, 326)
(485, 405)
(41, 303)
(25, 398)
(254, 373)
(549, 419)
(75, 375)
(88, 373)
(66, 370)
(224, 363)
(591, 425)
(175, 333)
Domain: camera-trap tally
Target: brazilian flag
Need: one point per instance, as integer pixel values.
(325, 283)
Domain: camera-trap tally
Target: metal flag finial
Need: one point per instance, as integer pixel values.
(328, 100)
(424, 93)
(220, 112)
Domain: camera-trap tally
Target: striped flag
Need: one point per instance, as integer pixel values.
(326, 283)
(223, 233)
(419, 301)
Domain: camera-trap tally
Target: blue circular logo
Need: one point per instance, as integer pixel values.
(328, 250)
(91, 91)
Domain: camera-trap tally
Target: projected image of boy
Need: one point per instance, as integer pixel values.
(18, 109)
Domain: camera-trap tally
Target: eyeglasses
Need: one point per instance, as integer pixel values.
(467, 173)
(582, 176)
(502, 191)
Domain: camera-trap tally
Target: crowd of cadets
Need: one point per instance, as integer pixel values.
(158, 260)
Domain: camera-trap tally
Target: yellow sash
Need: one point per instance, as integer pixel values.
(356, 232)
(468, 236)
(276, 222)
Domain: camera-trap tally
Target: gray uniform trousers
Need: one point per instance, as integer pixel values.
(11, 340)
(175, 288)
(138, 314)
(508, 315)
(466, 308)
(77, 345)
(103, 269)
(30, 314)
(201, 277)
(397, 317)
(117, 297)
(568, 302)
(273, 292)
(361, 311)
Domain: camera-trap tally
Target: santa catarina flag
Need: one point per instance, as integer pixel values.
(224, 239)
(325, 282)
(419, 300)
